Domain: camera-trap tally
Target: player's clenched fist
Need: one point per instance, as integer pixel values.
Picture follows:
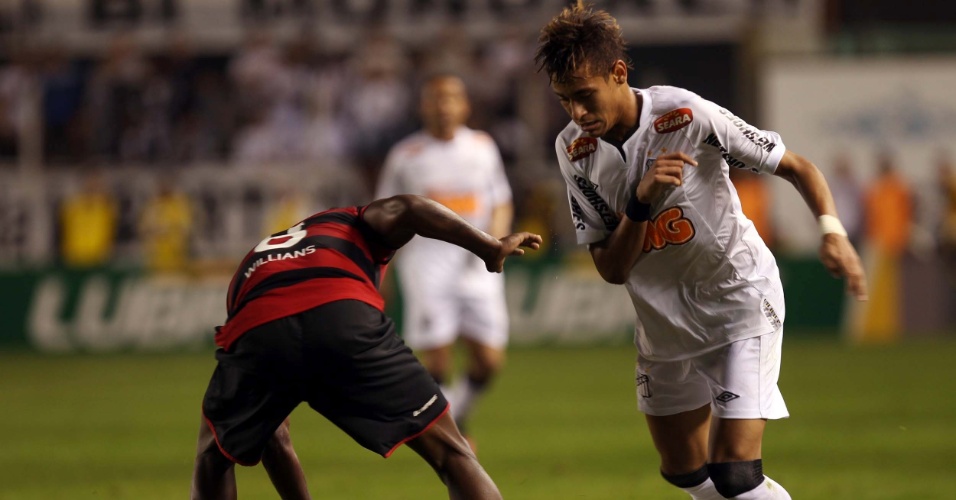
(511, 245)
(666, 172)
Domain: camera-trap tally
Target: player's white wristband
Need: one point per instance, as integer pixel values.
(830, 225)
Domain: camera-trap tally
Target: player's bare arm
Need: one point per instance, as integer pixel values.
(836, 252)
(399, 218)
(615, 255)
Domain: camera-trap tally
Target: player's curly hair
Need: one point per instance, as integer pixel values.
(580, 38)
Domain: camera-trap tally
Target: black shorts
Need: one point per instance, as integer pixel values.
(343, 358)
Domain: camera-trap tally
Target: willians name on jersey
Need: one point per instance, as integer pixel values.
(277, 257)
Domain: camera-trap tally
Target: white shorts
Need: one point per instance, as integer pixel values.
(434, 320)
(739, 380)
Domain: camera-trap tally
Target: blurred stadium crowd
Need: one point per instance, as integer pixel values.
(162, 132)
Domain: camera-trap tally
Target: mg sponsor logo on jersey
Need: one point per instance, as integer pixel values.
(712, 140)
(749, 132)
(673, 121)
(581, 148)
(668, 228)
(589, 190)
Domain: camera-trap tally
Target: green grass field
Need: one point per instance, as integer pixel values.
(867, 423)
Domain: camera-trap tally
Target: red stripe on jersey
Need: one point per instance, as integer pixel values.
(349, 233)
(286, 301)
(323, 257)
(329, 256)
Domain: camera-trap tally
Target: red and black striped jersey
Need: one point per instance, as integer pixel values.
(332, 255)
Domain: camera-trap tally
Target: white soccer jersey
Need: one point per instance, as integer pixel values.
(705, 278)
(465, 174)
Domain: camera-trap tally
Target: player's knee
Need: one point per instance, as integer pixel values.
(733, 478)
(281, 438)
(688, 480)
(484, 367)
(211, 459)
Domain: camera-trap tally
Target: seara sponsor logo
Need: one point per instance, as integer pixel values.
(581, 148)
(673, 121)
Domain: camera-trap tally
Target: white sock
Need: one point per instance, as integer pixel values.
(704, 491)
(465, 394)
(449, 393)
(767, 490)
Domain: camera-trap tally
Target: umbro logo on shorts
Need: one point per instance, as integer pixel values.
(726, 396)
(426, 406)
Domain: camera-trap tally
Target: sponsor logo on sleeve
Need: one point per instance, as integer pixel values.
(712, 140)
(670, 227)
(673, 121)
(589, 190)
(755, 136)
(577, 215)
(581, 148)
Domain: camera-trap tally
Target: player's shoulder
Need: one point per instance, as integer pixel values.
(476, 137)
(411, 145)
(674, 108)
(665, 98)
(578, 147)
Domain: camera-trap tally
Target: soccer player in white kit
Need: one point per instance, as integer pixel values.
(650, 194)
(446, 291)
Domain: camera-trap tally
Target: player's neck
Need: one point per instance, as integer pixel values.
(442, 133)
(629, 122)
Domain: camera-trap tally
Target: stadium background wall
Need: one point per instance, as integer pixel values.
(557, 300)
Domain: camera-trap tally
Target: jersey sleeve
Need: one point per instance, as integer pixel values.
(740, 144)
(588, 225)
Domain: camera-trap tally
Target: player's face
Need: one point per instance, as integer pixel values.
(592, 101)
(444, 105)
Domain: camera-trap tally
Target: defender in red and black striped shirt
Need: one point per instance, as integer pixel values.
(306, 323)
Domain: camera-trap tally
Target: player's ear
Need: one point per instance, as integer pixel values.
(619, 72)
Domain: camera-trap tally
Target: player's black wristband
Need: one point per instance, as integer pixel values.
(637, 211)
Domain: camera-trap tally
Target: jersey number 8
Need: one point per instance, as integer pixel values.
(292, 236)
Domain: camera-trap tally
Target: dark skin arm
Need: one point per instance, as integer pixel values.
(836, 252)
(399, 218)
(615, 255)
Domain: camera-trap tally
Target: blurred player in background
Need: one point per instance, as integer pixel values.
(305, 323)
(647, 172)
(446, 292)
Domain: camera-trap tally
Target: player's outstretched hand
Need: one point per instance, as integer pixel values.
(666, 172)
(839, 257)
(511, 245)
